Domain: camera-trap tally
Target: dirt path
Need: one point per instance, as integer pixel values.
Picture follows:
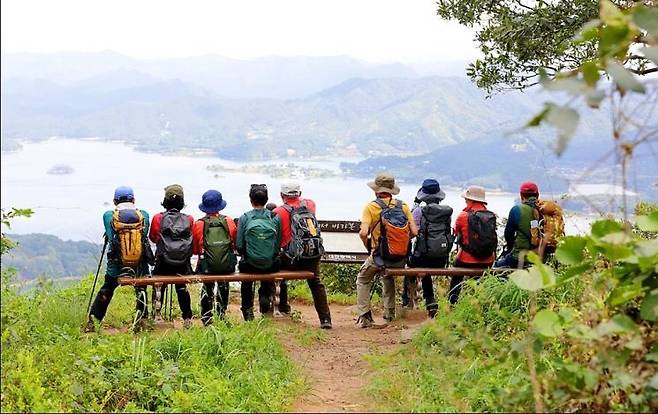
(334, 366)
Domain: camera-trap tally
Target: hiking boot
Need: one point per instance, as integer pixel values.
(90, 326)
(389, 316)
(248, 314)
(158, 317)
(325, 324)
(187, 323)
(365, 320)
(431, 313)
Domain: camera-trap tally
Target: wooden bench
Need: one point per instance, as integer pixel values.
(234, 277)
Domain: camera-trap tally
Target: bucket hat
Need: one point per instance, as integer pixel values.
(212, 202)
(430, 190)
(475, 193)
(384, 183)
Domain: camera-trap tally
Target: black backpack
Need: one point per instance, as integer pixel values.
(482, 237)
(435, 239)
(306, 242)
(175, 244)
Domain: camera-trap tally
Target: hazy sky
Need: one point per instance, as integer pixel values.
(371, 30)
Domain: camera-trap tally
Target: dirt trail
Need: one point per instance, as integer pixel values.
(334, 367)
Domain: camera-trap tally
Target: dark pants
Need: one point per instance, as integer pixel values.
(104, 296)
(315, 284)
(426, 281)
(184, 301)
(220, 299)
(507, 261)
(265, 290)
(457, 281)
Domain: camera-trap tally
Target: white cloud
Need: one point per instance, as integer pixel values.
(372, 30)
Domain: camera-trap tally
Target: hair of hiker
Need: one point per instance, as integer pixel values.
(258, 197)
(173, 203)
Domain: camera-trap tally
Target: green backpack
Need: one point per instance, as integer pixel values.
(261, 241)
(218, 256)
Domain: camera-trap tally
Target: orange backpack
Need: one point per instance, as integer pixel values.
(394, 237)
(551, 226)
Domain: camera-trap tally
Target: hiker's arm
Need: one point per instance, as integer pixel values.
(107, 224)
(239, 239)
(154, 232)
(363, 233)
(413, 228)
(197, 238)
(512, 226)
(279, 232)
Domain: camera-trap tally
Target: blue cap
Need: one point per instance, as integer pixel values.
(124, 193)
(212, 202)
(431, 186)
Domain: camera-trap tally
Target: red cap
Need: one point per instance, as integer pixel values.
(529, 188)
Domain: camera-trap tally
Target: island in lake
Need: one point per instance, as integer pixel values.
(60, 169)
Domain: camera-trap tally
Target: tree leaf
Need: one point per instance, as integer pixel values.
(624, 79)
(603, 227)
(647, 19)
(571, 249)
(594, 98)
(590, 73)
(648, 223)
(617, 324)
(565, 120)
(649, 307)
(524, 280)
(650, 53)
(537, 119)
(610, 14)
(547, 323)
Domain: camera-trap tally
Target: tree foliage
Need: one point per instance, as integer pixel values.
(520, 38)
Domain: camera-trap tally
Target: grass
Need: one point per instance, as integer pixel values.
(48, 365)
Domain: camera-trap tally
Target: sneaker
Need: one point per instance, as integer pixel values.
(365, 320)
(187, 323)
(325, 324)
(90, 326)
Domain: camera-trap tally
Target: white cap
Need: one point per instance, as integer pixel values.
(291, 188)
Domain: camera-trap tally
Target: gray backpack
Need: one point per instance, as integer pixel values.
(434, 240)
(175, 244)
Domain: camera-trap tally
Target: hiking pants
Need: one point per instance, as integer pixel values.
(220, 299)
(184, 301)
(104, 296)
(364, 284)
(456, 282)
(426, 281)
(266, 290)
(318, 290)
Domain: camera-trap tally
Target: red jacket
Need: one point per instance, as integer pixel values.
(284, 216)
(154, 233)
(461, 231)
(197, 232)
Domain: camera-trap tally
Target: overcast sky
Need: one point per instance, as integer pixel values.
(372, 30)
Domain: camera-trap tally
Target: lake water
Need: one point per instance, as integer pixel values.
(70, 206)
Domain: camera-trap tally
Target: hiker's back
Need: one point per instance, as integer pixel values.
(305, 242)
(434, 240)
(482, 236)
(174, 246)
(261, 238)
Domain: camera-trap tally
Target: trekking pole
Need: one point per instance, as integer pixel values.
(171, 301)
(374, 286)
(98, 270)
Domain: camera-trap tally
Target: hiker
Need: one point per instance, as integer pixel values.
(259, 234)
(475, 232)
(302, 248)
(270, 206)
(433, 243)
(532, 225)
(171, 231)
(213, 238)
(387, 227)
(129, 253)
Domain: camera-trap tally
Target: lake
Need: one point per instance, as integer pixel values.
(70, 205)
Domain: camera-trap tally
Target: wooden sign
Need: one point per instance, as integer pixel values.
(347, 257)
(331, 226)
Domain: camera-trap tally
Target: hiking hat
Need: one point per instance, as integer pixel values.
(174, 191)
(212, 202)
(291, 189)
(430, 190)
(384, 183)
(123, 194)
(529, 188)
(475, 193)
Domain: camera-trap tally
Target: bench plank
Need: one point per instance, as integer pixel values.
(235, 277)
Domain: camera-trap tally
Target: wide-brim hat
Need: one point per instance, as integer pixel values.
(475, 193)
(212, 202)
(430, 190)
(384, 183)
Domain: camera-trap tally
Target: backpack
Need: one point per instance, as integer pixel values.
(306, 242)
(394, 238)
(261, 241)
(482, 237)
(551, 226)
(128, 226)
(175, 244)
(434, 240)
(218, 256)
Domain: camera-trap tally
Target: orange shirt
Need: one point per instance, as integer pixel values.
(197, 232)
(461, 230)
(284, 216)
